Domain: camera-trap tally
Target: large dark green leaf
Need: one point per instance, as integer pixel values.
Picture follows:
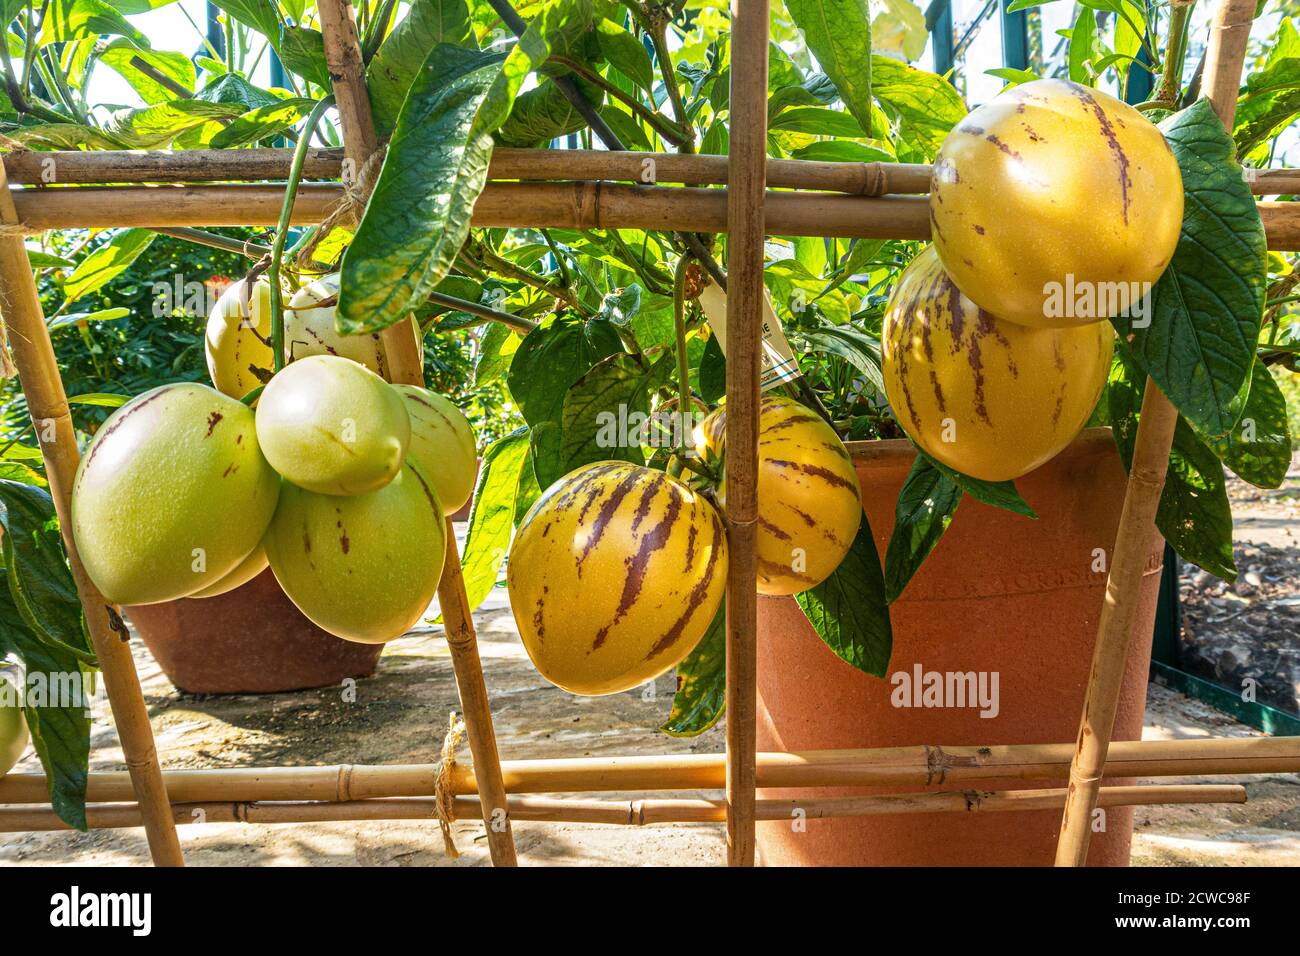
(998, 494)
(39, 583)
(551, 358)
(1258, 448)
(426, 24)
(1206, 308)
(849, 610)
(626, 54)
(58, 721)
(233, 89)
(543, 114)
(838, 32)
(1194, 514)
(925, 508)
(701, 697)
(492, 514)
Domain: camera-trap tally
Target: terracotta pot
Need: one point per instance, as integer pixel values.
(251, 640)
(1000, 594)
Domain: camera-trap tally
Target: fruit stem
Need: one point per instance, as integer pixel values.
(1171, 78)
(683, 368)
(282, 230)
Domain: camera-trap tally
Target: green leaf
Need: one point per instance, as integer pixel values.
(551, 358)
(45, 260)
(156, 126)
(621, 306)
(924, 106)
(39, 582)
(106, 263)
(998, 494)
(496, 350)
(849, 610)
(100, 315)
(925, 508)
(544, 114)
(262, 123)
(120, 53)
(856, 347)
(838, 32)
(1082, 37)
(234, 90)
(701, 697)
(302, 51)
(1194, 514)
(626, 54)
(712, 380)
(491, 516)
(818, 121)
(1207, 307)
(1258, 448)
(101, 399)
(426, 24)
(73, 19)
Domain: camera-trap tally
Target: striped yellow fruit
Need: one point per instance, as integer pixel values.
(989, 398)
(615, 574)
(309, 329)
(1055, 204)
(364, 568)
(237, 341)
(809, 506)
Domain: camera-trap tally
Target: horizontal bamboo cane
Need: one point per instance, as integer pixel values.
(579, 205)
(895, 766)
(252, 165)
(620, 812)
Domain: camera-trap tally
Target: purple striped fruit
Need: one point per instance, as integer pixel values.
(1049, 188)
(615, 574)
(989, 398)
(809, 506)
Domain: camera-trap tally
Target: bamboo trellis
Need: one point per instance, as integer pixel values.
(762, 196)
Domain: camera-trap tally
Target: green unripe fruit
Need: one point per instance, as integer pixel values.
(309, 329)
(442, 444)
(330, 425)
(13, 725)
(172, 495)
(249, 568)
(363, 568)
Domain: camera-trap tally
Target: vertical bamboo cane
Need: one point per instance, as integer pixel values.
(47, 403)
(1224, 59)
(343, 55)
(747, 180)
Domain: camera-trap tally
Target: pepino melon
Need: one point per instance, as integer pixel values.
(615, 574)
(987, 397)
(172, 494)
(442, 443)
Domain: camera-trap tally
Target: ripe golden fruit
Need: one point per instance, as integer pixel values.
(992, 399)
(245, 571)
(309, 329)
(363, 568)
(1053, 187)
(171, 495)
(615, 574)
(442, 443)
(13, 725)
(238, 339)
(332, 426)
(809, 505)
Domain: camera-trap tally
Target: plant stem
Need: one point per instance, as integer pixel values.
(200, 237)
(659, 37)
(683, 367)
(282, 231)
(514, 323)
(495, 263)
(671, 133)
(1171, 78)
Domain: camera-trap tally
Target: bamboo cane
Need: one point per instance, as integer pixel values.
(524, 205)
(745, 221)
(343, 54)
(621, 812)
(920, 766)
(47, 403)
(1224, 58)
(530, 165)
(463, 642)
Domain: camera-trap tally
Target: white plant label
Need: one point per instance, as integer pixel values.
(779, 363)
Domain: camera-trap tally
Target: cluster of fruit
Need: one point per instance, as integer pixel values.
(1053, 208)
(618, 570)
(339, 480)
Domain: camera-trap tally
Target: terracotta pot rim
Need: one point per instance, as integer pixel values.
(893, 452)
